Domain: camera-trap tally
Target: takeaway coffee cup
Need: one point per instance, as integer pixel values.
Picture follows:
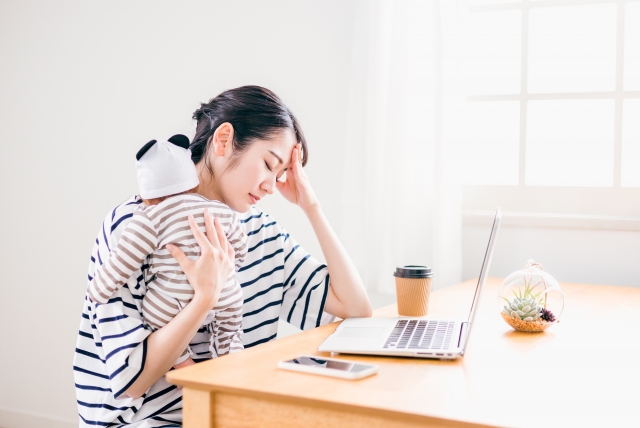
(413, 287)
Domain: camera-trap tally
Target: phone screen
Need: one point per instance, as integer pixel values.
(328, 364)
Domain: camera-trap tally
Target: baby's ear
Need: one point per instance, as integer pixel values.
(144, 149)
(180, 141)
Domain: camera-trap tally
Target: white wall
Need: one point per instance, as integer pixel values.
(82, 86)
(590, 256)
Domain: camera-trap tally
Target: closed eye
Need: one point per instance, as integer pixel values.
(282, 174)
(268, 167)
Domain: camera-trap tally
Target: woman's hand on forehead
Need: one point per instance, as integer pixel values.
(296, 187)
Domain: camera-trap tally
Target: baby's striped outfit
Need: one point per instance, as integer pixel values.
(144, 241)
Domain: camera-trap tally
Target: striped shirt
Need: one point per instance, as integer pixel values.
(145, 238)
(279, 280)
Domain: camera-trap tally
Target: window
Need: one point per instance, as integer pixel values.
(553, 107)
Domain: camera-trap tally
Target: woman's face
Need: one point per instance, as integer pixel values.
(254, 174)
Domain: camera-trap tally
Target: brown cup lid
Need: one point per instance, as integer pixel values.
(412, 271)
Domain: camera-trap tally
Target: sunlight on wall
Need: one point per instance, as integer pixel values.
(632, 47)
(572, 49)
(570, 143)
(545, 93)
(631, 143)
(492, 51)
(492, 130)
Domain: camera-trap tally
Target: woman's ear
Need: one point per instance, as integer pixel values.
(223, 140)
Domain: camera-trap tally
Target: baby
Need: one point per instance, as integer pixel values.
(167, 179)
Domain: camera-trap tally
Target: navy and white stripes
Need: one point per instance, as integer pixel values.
(279, 280)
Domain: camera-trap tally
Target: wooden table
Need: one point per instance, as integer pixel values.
(584, 371)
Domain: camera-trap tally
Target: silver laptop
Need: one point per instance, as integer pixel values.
(421, 337)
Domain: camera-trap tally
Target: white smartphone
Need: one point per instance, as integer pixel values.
(329, 367)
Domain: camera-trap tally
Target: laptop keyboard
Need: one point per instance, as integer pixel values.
(421, 334)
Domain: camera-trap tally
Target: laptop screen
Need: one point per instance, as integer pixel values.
(483, 273)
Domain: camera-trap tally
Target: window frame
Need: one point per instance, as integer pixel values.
(601, 206)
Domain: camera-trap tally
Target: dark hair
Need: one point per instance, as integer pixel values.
(253, 111)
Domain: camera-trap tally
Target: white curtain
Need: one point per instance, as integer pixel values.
(401, 201)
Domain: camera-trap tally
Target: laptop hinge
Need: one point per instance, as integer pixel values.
(463, 332)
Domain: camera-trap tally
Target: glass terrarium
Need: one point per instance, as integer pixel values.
(530, 299)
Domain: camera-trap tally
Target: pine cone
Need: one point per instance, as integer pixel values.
(547, 315)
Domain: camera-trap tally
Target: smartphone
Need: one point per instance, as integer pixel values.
(329, 367)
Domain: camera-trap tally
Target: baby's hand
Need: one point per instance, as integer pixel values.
(186, 363)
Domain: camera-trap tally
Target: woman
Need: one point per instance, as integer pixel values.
(246, 139)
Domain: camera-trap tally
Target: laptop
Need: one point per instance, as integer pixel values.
(419, 337)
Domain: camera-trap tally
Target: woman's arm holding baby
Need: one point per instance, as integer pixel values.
(207, 276)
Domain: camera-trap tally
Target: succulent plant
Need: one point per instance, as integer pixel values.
(526, 305)
(526, 309)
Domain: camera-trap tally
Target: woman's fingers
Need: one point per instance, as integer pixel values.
(297, 165)
(216, 234)
(296, 187)
(291, 176)
(226, 245)
(298, 173)
(300, 169)
(222, 238)
(212, 236)
(301, 192)
(295, 156)
(201, 239)
(184, 261)
(230, 252)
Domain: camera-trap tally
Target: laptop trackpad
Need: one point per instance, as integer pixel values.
(361, 332)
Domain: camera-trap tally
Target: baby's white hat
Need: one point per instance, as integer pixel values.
(165, 168)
